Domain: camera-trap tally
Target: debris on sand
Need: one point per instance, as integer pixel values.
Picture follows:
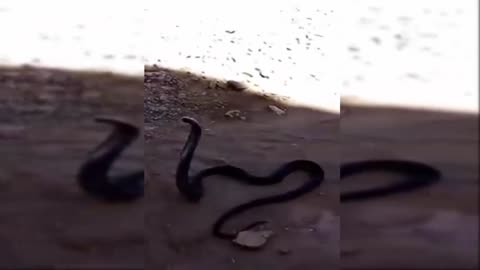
(151, 68)
(276, 110)
(221, 84)
(212, 84)
(235, 114)
(237, 86)
(253, 239)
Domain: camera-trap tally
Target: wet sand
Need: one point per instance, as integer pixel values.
(434, 228)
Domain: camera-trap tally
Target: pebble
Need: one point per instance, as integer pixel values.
(276, 110)
(237, 86)
(233, 114)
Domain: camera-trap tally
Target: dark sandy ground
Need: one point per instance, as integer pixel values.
(46, 130)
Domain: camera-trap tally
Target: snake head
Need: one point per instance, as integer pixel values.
(195, 133)
(192, 121)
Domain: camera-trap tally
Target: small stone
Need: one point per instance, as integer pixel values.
(212, 85)
(276, 110)
(252, 239)
(221, 84)
(151, 68)
(237, 86)
(232, 113)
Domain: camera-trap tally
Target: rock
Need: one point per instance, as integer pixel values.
(237, 86)
(212, 84)
(233, 114)
(276, 110)
(152, 68)
(253, 239)
(221, 84)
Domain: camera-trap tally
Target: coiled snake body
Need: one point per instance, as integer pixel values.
(419, 175)
(192, 188)
(93, 174)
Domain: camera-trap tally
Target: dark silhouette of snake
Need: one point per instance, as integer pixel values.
(192, 188)
(419, 175)
(93, 174)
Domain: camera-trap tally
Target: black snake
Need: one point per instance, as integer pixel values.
(192, 188)
(93, 174)
(418, 175)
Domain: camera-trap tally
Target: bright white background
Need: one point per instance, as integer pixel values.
(420, 52)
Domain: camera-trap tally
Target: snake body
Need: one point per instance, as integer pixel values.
(419, 175)
(192, 188)
(93, 174)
